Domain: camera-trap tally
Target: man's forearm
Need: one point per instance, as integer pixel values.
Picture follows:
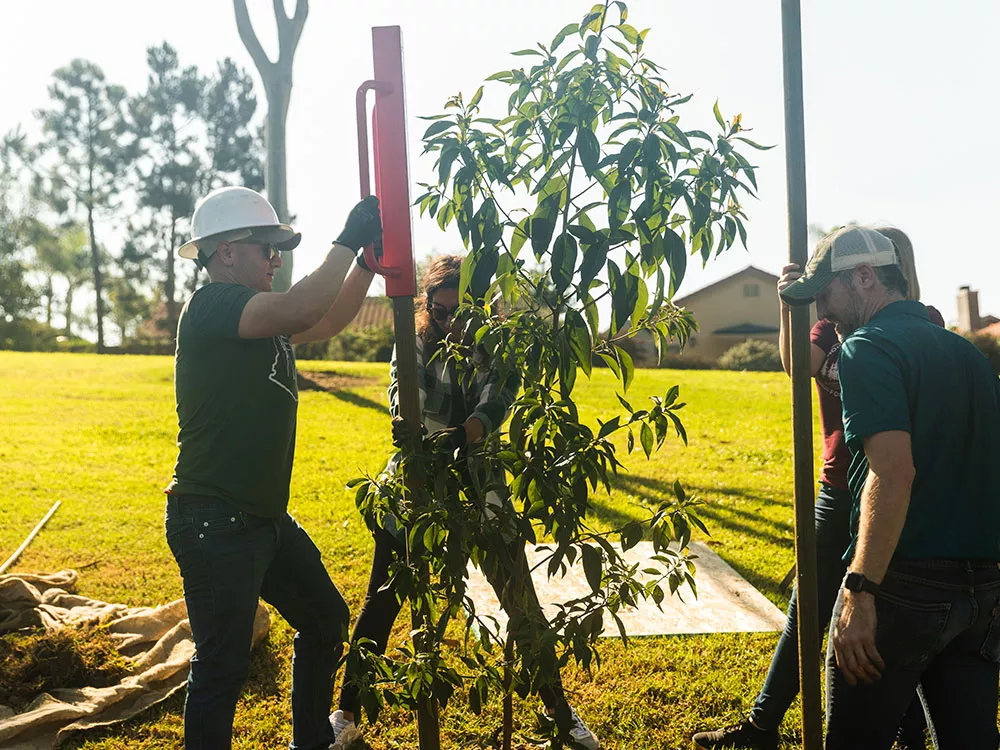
(884, 502)
(784, 338)
(344, 308)
(313, 295)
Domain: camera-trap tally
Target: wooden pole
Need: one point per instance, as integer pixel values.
(34, 532)
(805, 531)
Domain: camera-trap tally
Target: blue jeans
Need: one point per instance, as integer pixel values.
(833, 535)
(228, 559)
(939, 626)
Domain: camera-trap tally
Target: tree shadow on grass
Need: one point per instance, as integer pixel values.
(266, 669)
(337, 385)
(743, 523)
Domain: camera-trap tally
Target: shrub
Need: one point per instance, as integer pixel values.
(352, 345)
(754, 355)
(988, 345)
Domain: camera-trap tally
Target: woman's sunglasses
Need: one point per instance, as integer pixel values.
(440, 313)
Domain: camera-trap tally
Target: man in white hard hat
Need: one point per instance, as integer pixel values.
(227, 522)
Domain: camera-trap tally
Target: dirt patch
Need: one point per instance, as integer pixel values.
(332, 381)
(41, 661)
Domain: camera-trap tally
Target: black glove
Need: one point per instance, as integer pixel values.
(402, 433)
(363, 225)
(449, 439)
(360, 259)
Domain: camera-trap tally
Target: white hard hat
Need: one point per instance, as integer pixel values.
(236, 213)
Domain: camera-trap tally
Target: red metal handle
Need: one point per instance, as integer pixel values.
(363, 164)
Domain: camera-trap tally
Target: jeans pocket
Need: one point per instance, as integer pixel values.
(909, 632)
(218, 519)
(990, 649)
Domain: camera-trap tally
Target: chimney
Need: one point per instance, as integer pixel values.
(968, 309)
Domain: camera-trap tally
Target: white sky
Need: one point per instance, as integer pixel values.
(900, 98)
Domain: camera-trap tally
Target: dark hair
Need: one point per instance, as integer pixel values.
(444, 272)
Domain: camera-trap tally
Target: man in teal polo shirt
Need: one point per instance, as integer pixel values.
(920, 604)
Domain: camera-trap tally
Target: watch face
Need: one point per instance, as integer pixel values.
(853, 582)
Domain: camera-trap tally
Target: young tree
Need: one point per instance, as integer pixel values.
(277, 78)
(586, 191)
(85, 129)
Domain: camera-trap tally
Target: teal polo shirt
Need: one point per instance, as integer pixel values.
(902, 372)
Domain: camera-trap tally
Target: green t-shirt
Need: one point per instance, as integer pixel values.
(236, 406)
(902, 372)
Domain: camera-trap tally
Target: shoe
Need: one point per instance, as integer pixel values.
(743, 735)
(580, 734)
(339, 723)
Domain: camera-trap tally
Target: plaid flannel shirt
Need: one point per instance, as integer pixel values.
(488, 397)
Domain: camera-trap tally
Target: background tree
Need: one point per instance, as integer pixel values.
(277, 79)
(84, 129)
(17, 297)
(590, 168)
(170, 167)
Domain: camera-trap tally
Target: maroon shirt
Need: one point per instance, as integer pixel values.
(836, 456)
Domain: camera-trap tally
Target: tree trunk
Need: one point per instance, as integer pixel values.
(69, 310)
(171, 279)
(279, 92)
(48, 300)
(95, 263)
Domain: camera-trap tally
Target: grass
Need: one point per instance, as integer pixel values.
(99, 434)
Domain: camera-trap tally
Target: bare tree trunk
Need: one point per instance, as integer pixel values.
(48, 300)
(69, 310)
(275, 178)
(277, 78)
(95, 263)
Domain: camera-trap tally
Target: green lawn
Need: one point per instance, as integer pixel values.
(99, 434)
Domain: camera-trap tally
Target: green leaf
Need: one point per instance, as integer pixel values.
(629, 33)
(468, 266)
(589, 149)
(675, 134)
(627, 155)
(541, 234)
(628, 367)
(520, 235)
(592, 566)
(631, 535)
(750, 143)
(568, 29)
(438, 127)
(563, 261)
(475, 98)
(646, 438)
(579, 339)
(610, 426)
(523, 52)
(619, 202)
(677, 259)
(504, 75)
(718, 115)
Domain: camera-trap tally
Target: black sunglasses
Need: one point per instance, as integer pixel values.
(441, 313)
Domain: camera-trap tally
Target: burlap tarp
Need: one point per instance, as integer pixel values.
(156, 640)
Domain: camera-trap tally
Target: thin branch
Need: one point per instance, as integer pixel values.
(250, 41)
(290, 29)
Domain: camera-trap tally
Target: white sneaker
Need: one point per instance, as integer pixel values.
(339, 723)
(581, 734)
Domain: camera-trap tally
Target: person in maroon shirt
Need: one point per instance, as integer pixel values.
(832, 510)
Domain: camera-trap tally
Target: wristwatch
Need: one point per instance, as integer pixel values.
(857, 582)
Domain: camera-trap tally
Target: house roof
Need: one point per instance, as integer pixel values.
(991, 330)
(746, 329)
(749, 269)
(375, 312)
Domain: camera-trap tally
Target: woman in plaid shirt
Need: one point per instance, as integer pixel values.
(457, 415)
